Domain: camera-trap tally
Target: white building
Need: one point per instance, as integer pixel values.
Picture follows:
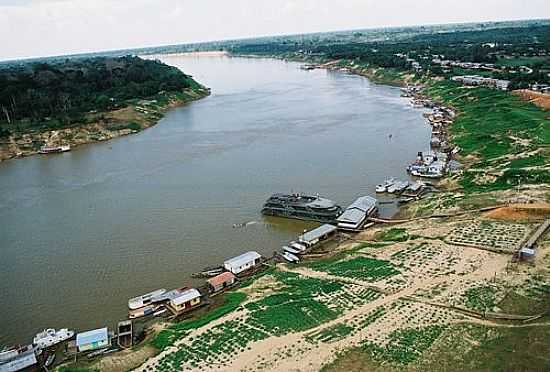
(355, 216)
(92, 340)
(243, 262)
(314, 236)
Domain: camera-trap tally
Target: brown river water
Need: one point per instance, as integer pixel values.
(81, 232)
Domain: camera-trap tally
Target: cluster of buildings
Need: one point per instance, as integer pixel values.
(476, 80)
(464, 65)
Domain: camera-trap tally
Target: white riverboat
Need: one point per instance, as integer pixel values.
(50, 337)
(54, 149)
(383, 187)
(146, 299)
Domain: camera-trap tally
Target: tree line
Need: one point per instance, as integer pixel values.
(64, 91)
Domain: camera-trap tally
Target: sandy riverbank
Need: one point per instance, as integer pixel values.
(101, 126)
(435, 276)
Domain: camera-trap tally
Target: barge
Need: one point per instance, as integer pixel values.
(302, 207)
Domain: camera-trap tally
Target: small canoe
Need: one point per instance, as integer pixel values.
(290, 257)
(141, 312)
(291, 250)
(298, 246)
(49, 361)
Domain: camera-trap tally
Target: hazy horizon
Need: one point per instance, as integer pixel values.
(77, 26)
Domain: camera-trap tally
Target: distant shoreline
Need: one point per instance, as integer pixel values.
(214, 53)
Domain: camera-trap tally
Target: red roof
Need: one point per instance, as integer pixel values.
(221, 278)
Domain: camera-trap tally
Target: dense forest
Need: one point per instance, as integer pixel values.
(62, 92)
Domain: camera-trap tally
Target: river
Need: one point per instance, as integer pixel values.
(81, 232)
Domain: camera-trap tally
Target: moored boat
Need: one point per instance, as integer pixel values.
(301, 207)
(49, 361)
(19, 358)
(398, 187)
(54, 149)
(290, 257)
(146, 299)
(291, 250)
(383, 187)
(50, 337)
(143, 311)
(299, 246)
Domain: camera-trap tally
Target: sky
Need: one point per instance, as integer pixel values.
(38, 28)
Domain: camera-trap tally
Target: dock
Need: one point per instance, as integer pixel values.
(528, 250)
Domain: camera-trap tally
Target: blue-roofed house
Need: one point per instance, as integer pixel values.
(92, 340)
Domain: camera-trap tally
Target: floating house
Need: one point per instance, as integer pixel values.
(317, 235)
(18, 358)
(221, 281)
(185, 300)
(244, 262)
(93, 340)
(356, 215)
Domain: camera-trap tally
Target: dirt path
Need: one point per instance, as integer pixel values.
(126, 360)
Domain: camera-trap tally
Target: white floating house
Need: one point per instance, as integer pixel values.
(243, 262)
(92, 340)
(314, 236)
(356, 215)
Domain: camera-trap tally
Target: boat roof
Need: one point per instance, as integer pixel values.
(221, 278)
(363, 203)
(151, 294)
(242, 259)
(171, 294)
(89, 337)
(20, 362)
(306, 200)
(186, 296)
(317, 233)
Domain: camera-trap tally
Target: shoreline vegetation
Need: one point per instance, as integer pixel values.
(135, 97)
(390, 298)
(441, 291)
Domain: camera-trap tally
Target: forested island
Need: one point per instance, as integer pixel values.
(81, 100)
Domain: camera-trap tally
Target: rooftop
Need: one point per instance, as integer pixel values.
(243, 259)
(186, 296)
(95, 335)
(317, 233)
(220, 279)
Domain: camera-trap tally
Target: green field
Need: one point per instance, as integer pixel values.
(492, 124)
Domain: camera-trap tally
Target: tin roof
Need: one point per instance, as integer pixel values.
(317, 233)
(221, 278)
(358, 209)
(95, 335)
(242, 259)
(186, 296)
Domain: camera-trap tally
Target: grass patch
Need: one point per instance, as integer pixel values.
(363, 268)
(405, 346)
(168, 336)
(294, 307)
(393, 235)
(480, 298)
(487, 122)
(330, 334)
(478, 348)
